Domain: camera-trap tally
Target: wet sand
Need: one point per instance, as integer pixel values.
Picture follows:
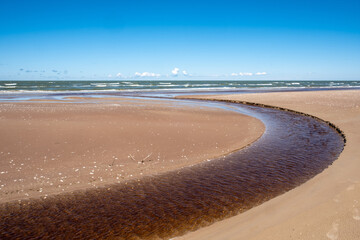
(327, 206)
(60, 146)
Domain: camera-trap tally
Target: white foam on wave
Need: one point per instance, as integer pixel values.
(204, 85)
(172, 85)
(11, 86)
(98, 83)
(259, 84)
(58, 91)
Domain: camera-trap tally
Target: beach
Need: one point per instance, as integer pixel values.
(210, 120)
(50, 147)
(77, 144)
(325, 207)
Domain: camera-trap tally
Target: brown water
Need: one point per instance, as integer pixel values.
(293, 149)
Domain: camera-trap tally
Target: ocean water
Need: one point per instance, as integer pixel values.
(134, 86)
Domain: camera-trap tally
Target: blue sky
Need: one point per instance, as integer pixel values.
(233, 40)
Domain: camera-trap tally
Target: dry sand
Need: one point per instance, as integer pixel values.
(52, 147)
(327, 206)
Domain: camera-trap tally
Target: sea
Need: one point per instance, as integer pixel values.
(14, 90)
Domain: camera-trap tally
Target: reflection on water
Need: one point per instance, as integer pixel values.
(293, 149)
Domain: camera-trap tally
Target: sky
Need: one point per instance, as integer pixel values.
(179, 40)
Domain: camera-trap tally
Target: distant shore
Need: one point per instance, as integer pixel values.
(327, 206)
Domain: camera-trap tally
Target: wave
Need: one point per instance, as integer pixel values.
(184, 88)
(10, 86)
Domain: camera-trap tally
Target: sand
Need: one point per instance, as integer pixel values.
(325, 207)
(50, 147)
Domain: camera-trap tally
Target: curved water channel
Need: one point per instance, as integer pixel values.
(293, 149)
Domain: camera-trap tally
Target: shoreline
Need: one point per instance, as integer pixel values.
(336, 128)
(325, 207)
(56, 147)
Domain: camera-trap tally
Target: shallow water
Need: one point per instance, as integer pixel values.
(293, 149)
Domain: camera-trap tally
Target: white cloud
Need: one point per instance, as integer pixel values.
(185, 73)
(245, 74)
(175, 71)
(119, 75)
(261, 73)
(147, 74)
(242, 74)
(109, 76)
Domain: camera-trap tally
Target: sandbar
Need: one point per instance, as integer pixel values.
(54, 146)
